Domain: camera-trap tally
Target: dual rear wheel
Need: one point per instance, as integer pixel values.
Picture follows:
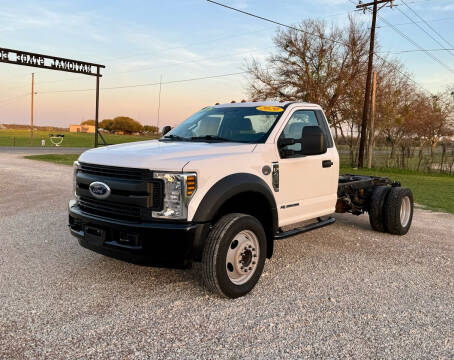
(391, 209)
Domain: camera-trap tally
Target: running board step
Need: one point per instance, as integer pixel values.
(317, 225)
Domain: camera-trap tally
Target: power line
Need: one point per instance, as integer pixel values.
(430, 20)
(408, 77)
(412, 51)
(301, 30)
(146, 84)
(405, 36)
(429, 26)
(176, 47)
(420, 27)
(277, 23)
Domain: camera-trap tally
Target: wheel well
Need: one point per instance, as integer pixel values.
(254, 204)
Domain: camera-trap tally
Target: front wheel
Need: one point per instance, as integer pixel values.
(234, 255)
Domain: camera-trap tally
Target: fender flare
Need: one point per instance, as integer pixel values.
(230, 186)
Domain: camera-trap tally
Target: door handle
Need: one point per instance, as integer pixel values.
(327, 163)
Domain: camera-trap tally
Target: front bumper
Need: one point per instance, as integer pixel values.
(153, 243)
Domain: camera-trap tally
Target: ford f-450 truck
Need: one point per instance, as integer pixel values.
(220, 188)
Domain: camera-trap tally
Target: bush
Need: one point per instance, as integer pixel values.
(106, 124)
(126, 124)
(150, 129)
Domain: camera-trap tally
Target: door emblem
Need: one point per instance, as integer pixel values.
(99, 190)
(266, 170)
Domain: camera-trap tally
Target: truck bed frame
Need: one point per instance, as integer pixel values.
(353, 196)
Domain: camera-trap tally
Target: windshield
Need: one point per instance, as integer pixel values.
(235, 124)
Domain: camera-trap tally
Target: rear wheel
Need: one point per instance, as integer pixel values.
(234, 255)
(376, 208)
(399, 210)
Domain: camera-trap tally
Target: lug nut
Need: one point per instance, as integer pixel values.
(250, 268)
(253, 263)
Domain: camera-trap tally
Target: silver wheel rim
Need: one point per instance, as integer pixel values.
(405, 211)
(242, 257)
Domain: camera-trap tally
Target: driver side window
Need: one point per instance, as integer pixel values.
(294, 129)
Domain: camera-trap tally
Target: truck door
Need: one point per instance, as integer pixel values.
(307, 183)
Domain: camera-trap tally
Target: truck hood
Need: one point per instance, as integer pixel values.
(161, 155)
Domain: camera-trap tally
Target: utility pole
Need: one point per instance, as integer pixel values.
(97, 109)
(159, 101)
(362, 143)
(370, 151)
(31, 112)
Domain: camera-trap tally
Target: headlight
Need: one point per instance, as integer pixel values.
(76, 167)
(178, 191)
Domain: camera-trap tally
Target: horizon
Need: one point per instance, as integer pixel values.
(162, 43)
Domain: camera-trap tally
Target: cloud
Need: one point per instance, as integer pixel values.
(18, 18)
(240, 4)
(449, 7)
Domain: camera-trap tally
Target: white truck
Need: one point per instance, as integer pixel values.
(219, 189)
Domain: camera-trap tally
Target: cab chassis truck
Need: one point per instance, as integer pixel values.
(220, 188)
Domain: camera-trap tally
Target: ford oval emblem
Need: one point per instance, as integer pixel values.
(99, 190)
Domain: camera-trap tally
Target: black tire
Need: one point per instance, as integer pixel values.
(393, 206)
(376, 208)
(218, 242)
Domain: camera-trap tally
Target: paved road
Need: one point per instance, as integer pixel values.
(41, 150)
(341, 291)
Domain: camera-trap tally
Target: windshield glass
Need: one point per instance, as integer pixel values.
(236, 124)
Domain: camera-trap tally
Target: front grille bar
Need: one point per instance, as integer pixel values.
(116, 208)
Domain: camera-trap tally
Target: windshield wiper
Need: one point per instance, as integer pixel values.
(209, 138)
(175, 137)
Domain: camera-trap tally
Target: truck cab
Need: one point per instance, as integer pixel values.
(216, 189)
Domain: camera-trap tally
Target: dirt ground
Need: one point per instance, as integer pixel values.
(337, 292)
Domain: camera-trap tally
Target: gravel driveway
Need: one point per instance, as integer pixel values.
(341, 291)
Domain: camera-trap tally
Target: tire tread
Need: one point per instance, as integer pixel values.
(392, 210)
(210, 252)
(377, 208)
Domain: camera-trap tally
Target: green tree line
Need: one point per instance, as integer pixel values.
(124, 124)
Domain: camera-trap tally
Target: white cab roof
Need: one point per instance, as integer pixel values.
(265, 103)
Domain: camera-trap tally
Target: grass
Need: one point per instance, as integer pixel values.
(433, 191)
(9, 137)
(64, 159)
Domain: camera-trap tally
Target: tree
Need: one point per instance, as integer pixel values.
(327, 65)
(106, 124)
(319, 68)
(126, 124)
(88, 122)
(150, 129)
(433, 120)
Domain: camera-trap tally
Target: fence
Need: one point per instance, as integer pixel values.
(440, 159)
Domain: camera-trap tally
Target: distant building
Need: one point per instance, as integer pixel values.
(82, 129)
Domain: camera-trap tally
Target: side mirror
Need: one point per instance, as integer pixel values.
(283, 142)
(313, 141)
(166, 129)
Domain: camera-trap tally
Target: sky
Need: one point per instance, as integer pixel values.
(148, 41)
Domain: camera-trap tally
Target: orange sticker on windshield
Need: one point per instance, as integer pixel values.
(270, 108)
